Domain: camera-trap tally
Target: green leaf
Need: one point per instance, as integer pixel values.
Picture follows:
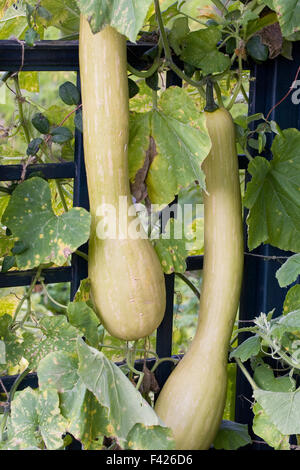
(85, 319)
(36, 418)
(44, 13)
(139, 132)
(167, 14)
(29, 81)
(57, 335)
(181, 143)
(19, 248)
(133, 88)
(289, 323)
(69, 93)
(87, 419)
(264, 428)
(127, 16)
(13, 346)
(232, 436)
(114, 391)
(257, 50)
(34, 146)
(273, 195)
(78, 120)
(283, 409)
(142, 437)
(288, 12)
(289, 271)
(5, 322)
(8, 263)
(256, 25)
(152, 82)
(292, 300)
(31, 36)
(84, 290)
(50, 239)
(61, 134)
(264, 378)
(41, 123)
(200, 50)
(249, 348)
(180, 29)
(13, 22)
(65, 15)
(58, 370)
(171, 248)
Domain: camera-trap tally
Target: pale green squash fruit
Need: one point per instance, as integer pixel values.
(127, 282)
(192, 400)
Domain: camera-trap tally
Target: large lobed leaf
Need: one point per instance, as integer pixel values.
(273, 195)
(98, 400)
(36, 419)
(45, 237)
(57, 334)
(283, 409)
(179, 143)
(289, 271)
(114, 391)
(232, 436)
(127, 16)
(200, 50)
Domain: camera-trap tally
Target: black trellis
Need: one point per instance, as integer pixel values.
(260, 292)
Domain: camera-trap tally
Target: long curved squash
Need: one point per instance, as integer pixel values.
(127, 281)
(193, 398)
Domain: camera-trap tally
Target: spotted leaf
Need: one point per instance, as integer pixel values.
(127, 16)
(143, 437)
(180, 143)
(36, 419)
(113, 390)
(47, 238)
(171, 248)
(56, 335)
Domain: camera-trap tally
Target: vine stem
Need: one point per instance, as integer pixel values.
(129, 362)
(246, 373)
(250, 329)
(81, 254)
(219, 94)
(51, 298)
(20, 101)
(154, 67)
(189, 283)
(61, 195)
(28, 293)
(10, 399)
(235, 94)
(164, 359)
(168, 52)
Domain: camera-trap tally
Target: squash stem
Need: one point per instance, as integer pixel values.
(211, 105)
